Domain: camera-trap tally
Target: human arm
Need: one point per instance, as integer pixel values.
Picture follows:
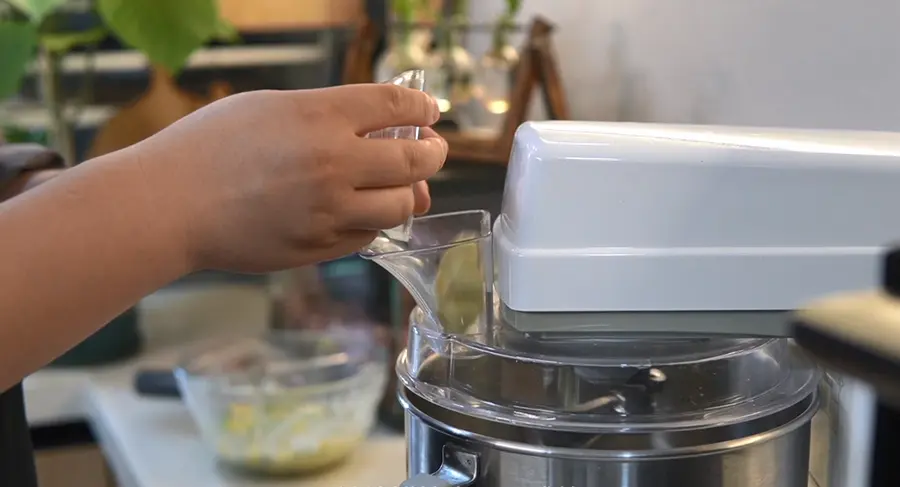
(253, 183)
(77, 251)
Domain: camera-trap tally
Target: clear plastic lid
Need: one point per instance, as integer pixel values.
(602, 383)
(463, 356)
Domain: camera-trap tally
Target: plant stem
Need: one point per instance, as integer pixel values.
(403, 16)
(505, 24)
(460, 8)
(450, 29)
(51, 91)
(513, 7)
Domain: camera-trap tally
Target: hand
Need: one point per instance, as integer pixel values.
(268, 180)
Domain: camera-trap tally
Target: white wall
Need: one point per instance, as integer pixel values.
(809, 63)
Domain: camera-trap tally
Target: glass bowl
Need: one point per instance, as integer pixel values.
(286, 402)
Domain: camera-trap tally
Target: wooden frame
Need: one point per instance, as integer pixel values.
(280, 15)
(360, 53)
(537, 69)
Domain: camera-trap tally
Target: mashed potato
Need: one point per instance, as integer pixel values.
(284, 438)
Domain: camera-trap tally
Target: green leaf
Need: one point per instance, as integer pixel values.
(226, 32)
(36, 10)
(460, 7)
(18, 42)
(166, 31)
(18, 135)
(62, 42)
(404, 10)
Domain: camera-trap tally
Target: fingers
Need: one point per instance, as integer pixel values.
(428, 133)
(371, 107)
(422, 197)
(382, 163)
(349, 242)
(387, 207)
(378, 209)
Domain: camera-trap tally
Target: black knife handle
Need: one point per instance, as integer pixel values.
(156, 383)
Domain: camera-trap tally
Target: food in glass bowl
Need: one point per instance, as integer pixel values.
(288, 401)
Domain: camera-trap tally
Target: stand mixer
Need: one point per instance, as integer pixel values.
(625, 320)
(858, 333)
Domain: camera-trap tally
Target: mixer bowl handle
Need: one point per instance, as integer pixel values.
(458, 469)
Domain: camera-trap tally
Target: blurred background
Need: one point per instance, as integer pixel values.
(87, 77)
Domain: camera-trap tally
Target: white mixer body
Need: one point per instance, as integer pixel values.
(612, 217)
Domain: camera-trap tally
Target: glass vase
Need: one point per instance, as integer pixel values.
(407, 49)
(495, 77)
(453, 74)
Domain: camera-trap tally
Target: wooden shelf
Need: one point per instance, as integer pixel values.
(215, 57)
(34, 116)
(276, 15)
(473, 148)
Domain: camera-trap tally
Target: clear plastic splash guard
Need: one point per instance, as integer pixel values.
(446, 265)
(463, 356)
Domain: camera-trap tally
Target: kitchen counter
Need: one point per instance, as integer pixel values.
(154, 442)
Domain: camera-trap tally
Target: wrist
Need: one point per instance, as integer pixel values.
(163, 223)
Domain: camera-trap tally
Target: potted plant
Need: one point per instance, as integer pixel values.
(36, 29)
(167, 33)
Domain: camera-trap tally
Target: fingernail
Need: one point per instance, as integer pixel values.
(438, 140)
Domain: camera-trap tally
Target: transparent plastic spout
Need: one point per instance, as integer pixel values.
(415, 79)
(446, 265)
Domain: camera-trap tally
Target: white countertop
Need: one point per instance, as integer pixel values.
(154, 442)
